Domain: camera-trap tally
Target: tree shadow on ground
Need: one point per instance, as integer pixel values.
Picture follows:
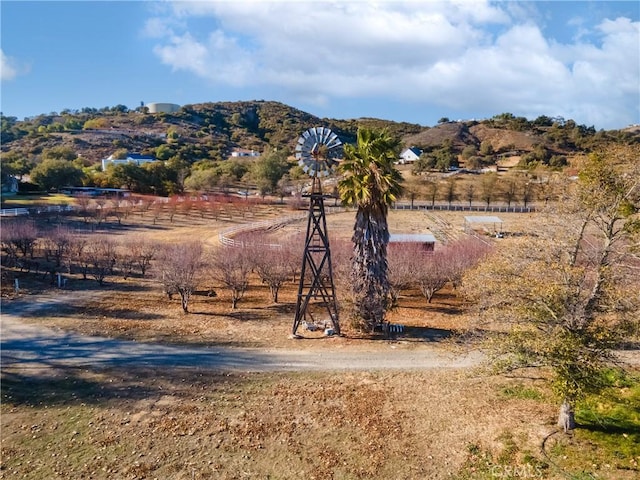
(117, 313)
(408, 334)
(73, 385)
(437, 308)
(60, 309)
(427, 334)
(253, 315)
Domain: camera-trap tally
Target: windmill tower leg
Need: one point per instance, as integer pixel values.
(316, 278)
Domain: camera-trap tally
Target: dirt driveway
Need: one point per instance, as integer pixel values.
(27, 344)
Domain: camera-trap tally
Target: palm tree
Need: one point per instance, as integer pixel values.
(371, 183)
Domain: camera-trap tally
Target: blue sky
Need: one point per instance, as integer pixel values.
(414, 61)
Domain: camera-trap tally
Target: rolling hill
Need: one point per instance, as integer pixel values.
(211, 131)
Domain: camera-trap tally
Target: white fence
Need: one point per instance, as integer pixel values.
(18, 212)
(226, 236)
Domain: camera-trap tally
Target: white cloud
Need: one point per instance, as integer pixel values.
(470, 56)
(8, 68)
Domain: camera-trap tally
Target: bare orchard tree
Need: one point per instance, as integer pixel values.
(462, 255)
(231, 266)
(568, 297)
(144, 251)
(272, 263)
(179, 268)
(101, 255)
(119, 211)
(84, 207)
(77, 257)
(404, 261)
(101, 211)
(20, 235)
(57, 243)
(8, 246)
(126, 260)
(137, 253)
(432, 273)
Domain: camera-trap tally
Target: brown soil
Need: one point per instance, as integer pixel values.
(187, 423)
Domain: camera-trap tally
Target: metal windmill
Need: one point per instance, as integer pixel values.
(317, 152)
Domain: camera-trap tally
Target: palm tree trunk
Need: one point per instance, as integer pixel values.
(370, 270)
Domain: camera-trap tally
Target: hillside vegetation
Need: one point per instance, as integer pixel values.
(202, 137)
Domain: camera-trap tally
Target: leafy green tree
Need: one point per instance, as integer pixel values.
(15, 163)
(486, 148)
(371, 183)
(72, 123)
(425, 163)
(268, 170)
(98, 123)
(55, 127)
(120, 154)
(473, 163)
(469, 151)
(53, 174)
(7, 129)
(235, 169)
(165, 152)
(450, 192)
(558, 161)
(130, 175)
(445, 157)
(567, 298)
(202, 180)
(488, 187)
(543, 121)
(59, 153)
(159, 179)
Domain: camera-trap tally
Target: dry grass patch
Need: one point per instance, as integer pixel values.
(188, 424)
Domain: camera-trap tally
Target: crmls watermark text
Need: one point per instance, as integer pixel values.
(517, 471)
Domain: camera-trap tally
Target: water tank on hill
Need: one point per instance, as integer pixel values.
(162, 107)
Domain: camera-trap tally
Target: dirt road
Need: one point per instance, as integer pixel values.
(27, 344)
(31, 345)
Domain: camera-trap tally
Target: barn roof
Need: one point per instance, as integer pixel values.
(412, 237)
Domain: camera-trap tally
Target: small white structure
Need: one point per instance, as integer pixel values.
(473, 224)
(410, 155)
(162, 107)
(241, 152)
(131, 158)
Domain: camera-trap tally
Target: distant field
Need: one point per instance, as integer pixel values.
(18, 201)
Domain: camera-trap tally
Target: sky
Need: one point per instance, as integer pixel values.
(412, 61)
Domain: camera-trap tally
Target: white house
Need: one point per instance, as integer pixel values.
(410, 155)
(131, 158)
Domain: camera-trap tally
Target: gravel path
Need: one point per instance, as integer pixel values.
(29, 345)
